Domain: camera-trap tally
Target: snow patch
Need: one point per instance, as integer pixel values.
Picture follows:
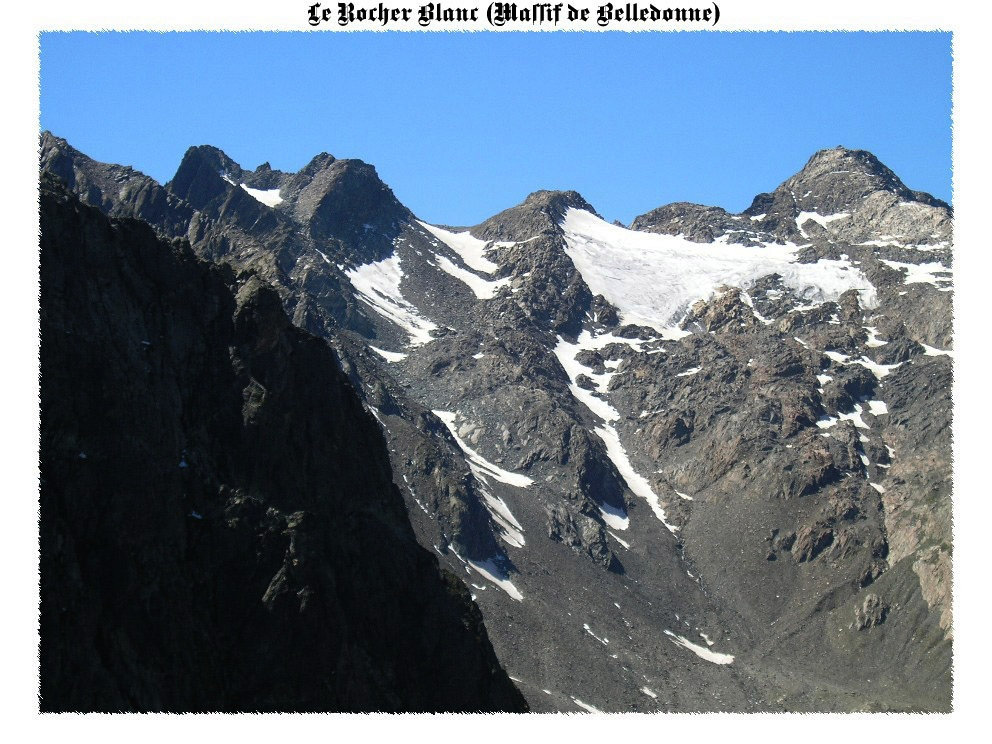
(587, 341)
(469, 248)
(654, 279)
(614, 517)
(873, 339)
(877, 407)
(477, 461)
(821, 220)
(879, 370)
(586, 706)
(511, 243)
(624, 543)
(268, 197)
(566, 353)
(854, 417)
(637, 483)
(933, 351)
(389, 356)
(746, 299)
(378, 286)
(883, 243)
(923, 273)
(378, 417)
(510, 529)
(484, 289)
(836, 356)
(495, 574)
(604, 641)
(700, 651)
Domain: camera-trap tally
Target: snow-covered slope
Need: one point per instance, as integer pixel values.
(378, 286)
(654, 279)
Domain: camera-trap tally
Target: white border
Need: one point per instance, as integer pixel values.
(19, 302)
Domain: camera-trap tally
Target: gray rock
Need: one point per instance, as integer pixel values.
(870, 614)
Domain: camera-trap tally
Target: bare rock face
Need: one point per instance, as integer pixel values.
(116, 190)
(582, 533)
(933, 568)
(219, 529)
(811, 541)
(873, 612)
(694, 221)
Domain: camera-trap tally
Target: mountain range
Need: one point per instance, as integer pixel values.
(304, 451)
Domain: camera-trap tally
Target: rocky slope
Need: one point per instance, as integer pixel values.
(219, 529)
(698, 464)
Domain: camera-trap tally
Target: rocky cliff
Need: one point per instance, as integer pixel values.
(219, 526)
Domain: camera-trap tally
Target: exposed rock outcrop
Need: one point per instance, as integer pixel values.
(219, 526)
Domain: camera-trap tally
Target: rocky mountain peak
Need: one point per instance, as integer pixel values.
(317, 163)
(555, 203)
(200, 177)
(265, 177)
(116, 190)
(539, 213)
(344, 199)
(61, 159)
(55, 150)
(835, 180)
(848, 159)
(215, 156)
(207, 161)
(695, 221)
(841, 194)
(847, 194)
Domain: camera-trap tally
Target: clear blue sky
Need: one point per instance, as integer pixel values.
(462, 125)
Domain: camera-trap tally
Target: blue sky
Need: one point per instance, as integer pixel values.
(462, 125)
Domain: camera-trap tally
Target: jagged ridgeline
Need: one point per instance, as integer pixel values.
(219, 526)
(701, 463)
